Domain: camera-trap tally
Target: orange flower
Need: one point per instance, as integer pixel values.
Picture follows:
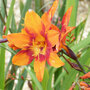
(84, 86)
(60, 35)
(34, 44)
(87, 75)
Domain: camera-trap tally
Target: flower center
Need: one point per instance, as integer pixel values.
(38, 48)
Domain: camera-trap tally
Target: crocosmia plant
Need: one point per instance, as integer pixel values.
(44, 47)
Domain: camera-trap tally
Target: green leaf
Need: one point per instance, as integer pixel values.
(62, 9)
(81, 44)
(21, 6)
(8, 66)
(38, 5)
(9, 16)
(33, 77)
(57, 82)
(45, 79)
(2, 67)
(13, 25)
(2, 12)
(56, 75)
(45, 5)
(51, 72)
(79, 28)
(26, 7)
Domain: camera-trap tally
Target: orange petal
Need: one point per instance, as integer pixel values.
(46, 20)
(87, 75)
(39, 69)
(66, 17)
(54, 60)
(23, 31)
(53, 9)
(33, 22)
(47, 16)
(19, 40)
(83, 84)
(4, 36)
(53, 27)
(53, 37)
(23, 57)
(12, 46)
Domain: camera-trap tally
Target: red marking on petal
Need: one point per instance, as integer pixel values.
(30, 54)
(42, 57)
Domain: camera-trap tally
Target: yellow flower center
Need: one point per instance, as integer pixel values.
(38, 48)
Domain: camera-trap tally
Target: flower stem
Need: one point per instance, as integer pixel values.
(2, 19)
(77, 61)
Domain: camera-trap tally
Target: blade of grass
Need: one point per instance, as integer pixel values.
(56, 77)
(38, 5)
(2, 68)
(45, 5)
(45, 79)
(32, 75)
(7, 69)
(51, 72)
(21, 6)
(62, 9)
(81, 44)
(13, 25)
(9, 16)
(79, 28)
(2, 15)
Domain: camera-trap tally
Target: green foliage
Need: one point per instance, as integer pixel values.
(54, 78)
(32, 75)
(45, 79)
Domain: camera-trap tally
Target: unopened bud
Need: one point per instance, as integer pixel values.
(14, 74)
(22, 77)
(12, 78)
(68, 40)
(72, 35)
(4, 30)
(72, 39)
